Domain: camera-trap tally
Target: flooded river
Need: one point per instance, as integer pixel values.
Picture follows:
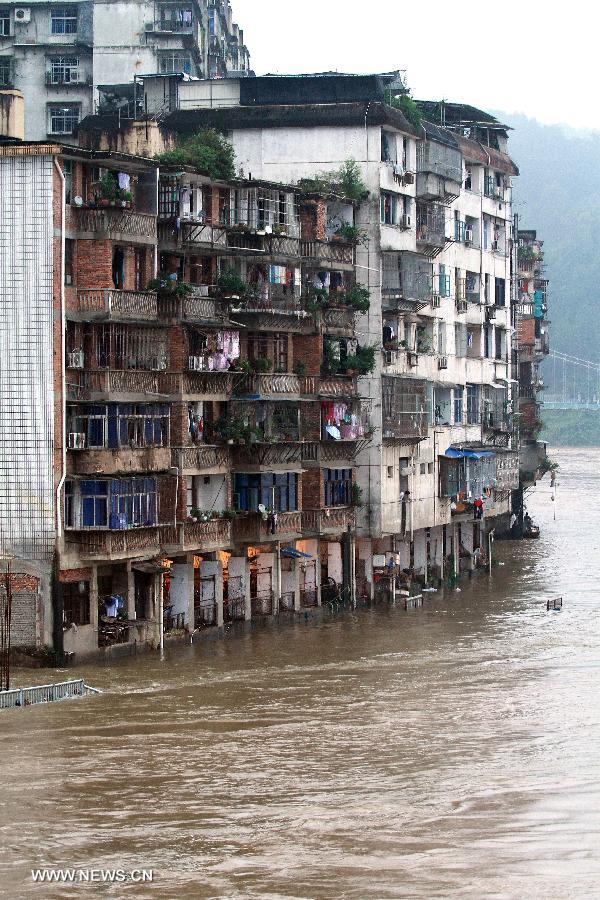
(451, 751)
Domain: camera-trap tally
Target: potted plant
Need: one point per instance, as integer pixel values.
(109, 189)
(356, 495)
(262, 365)
(229, 284)
(229, 513)
(358, 298)
(300, 368)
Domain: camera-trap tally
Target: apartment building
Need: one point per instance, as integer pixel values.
(436, 260)
(59, 54)
(188, 454)
(532, 345)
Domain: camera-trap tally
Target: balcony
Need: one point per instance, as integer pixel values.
(114, 306)
(205, 537)
(113, 545)
(325, 453)
(252, 528)
(333, 520)
(329, 386)
(196, 307)
(119, 384)
(201, 234)
(334, 254)
(339, 321)
(171, 26)
(213, 385)
(116, 224)
(259, 455)
(195, 460)
(275, 301)
(280, 246)
(404, 408)
(266, 386)
(122, 461)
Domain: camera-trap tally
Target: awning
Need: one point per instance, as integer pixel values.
(453, 453)
(291, 553)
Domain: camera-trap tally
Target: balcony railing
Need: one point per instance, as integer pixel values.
(329, 385)
(171, 25)
(111, 544)
(328, 253)
(148, 385)
(325, 521)
(277, 298)
(112, 304)
(286, 453)
(253, 528)
(338, 319)
(115, 223)
(279, 245)
(200, 458)
(202, 234)
(285, 384)
(324, 452)
(202, 536)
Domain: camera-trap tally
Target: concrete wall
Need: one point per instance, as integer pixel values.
(12, 114)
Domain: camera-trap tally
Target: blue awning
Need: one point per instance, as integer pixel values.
(453, 453)
(290, 553)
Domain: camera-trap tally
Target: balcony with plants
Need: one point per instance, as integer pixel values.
(347, 357)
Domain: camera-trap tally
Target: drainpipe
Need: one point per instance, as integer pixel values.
(57, 594)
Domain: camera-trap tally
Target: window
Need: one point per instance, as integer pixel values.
(275, 492)
(4, 22)
(473, 417)
(6, 67)
(94, 504)
(389, 208)
(69, 246)
(338, 487)
(459, 393)
(422, 468)
(174, 18)
(390, 471)
(500, 344)
(76, 603)
(441, 337)
(64, 70)
(175, 62)
(388, 147)
(63, 20)
(468, 179)
(500, 295)
(444, 286)
(117, 425)
(63, 119)
(460, 339)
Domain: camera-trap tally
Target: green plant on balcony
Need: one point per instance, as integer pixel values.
(230, 284)
(316, 299)
(237, 431)
(346, 182)
(358, 298)
(357, 495)
(351, 234)
(110, 192)
(300, 369)
(330, 364)
(229, 513)
(262, 365)
(362, 362)
(208, 152)
(163, 284)
(245, 366)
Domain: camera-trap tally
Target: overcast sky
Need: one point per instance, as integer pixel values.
(540, 59)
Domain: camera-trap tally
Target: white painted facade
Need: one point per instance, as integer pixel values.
(59, 54)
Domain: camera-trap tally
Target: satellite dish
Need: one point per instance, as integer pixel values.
(78, 201)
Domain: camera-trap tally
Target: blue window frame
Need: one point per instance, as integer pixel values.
(278, 492)
(338, 487)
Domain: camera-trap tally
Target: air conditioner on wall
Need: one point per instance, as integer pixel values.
(443, 362)
(76, 440)
(405, 221)
(22, 15)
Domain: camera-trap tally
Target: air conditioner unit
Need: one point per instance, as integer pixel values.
(443, 362)
(409, 178)
(436, 301)
(76, 440)
(149, 26)
(405, 221)
(195, 363)
(468, 235)
(22, 15)
(461, 306)
(68, 280)
(75, 359)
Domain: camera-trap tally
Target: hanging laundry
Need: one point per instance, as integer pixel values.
(124, 181)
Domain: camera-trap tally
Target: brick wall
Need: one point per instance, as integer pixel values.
(313, 220)
(93, 264)
(527, 331)
(23, 619)
(69, 576)
(308, 348)
(178, 348)
(310, 421)
(313, 494)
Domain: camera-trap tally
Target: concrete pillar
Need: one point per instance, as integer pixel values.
(277, 589)
(130, 599)
(455, 550)
(94, 601)
(182, 590)
(290, 580)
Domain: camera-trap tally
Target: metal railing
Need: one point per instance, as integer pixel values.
(45, 693)
(115, 222)
(328, 252)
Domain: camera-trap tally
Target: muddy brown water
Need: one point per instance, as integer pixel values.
(445, 752)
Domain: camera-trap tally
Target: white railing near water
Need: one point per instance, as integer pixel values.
(45, 693)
